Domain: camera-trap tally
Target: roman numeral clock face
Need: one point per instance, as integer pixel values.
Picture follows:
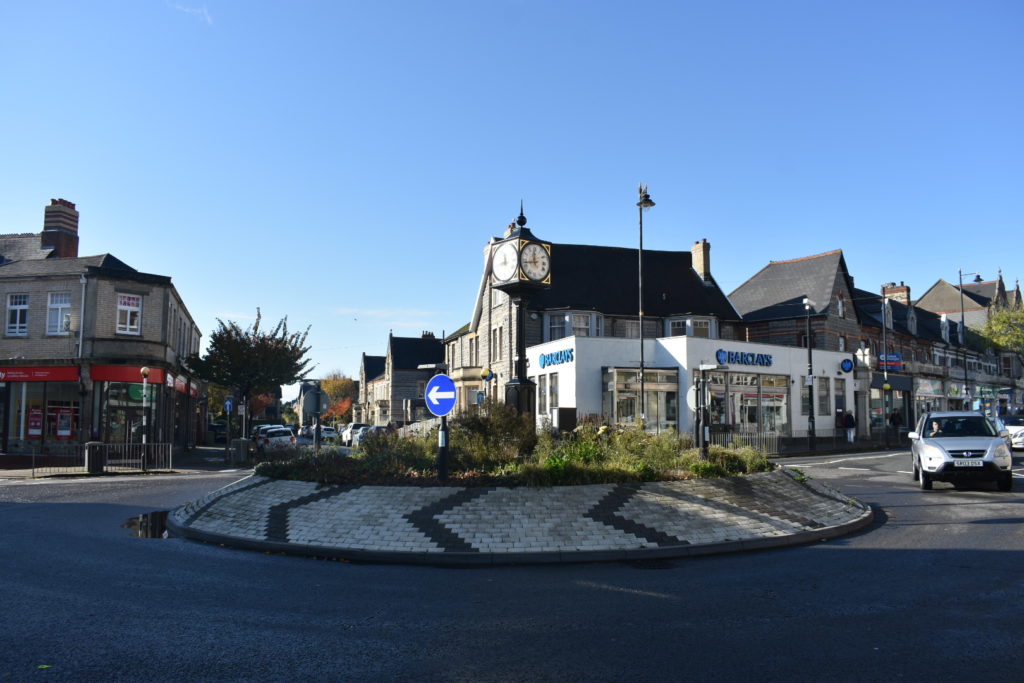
(535, 262)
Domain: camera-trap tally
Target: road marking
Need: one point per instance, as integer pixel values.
(903, 472)
(859, 469)
(838, 460)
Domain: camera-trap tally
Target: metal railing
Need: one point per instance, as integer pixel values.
(96, 458)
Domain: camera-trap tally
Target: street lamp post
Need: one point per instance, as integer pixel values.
(962, 333)
(643, 204)
(145, 396)
(810, 379)
(883, 361)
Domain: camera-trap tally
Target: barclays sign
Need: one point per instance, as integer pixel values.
(556, 358)
(740, 358)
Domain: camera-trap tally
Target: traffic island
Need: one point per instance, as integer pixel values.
(500, 525)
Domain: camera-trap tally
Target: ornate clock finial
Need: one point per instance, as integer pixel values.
(521, 221)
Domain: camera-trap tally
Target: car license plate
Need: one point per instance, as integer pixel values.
(967, 463)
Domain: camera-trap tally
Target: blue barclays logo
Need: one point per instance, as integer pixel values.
(556, 358)
(739, 358)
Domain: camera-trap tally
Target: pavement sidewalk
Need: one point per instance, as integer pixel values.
(495, 525)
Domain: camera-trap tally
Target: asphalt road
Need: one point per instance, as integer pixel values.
(932, 591)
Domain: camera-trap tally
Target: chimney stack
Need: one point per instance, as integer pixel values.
(60, 228)
(900, 293)
(702, 259)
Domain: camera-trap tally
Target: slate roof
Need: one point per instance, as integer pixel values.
(409, 352)
(373, 366)
(22, 247)
(104, 263)
(604, 279)
(944, 297)
(777, 291)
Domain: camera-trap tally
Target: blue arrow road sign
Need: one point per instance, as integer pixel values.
(227, 405)
(440, 395)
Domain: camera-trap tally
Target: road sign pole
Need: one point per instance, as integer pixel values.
(440, 397)
(442, 450)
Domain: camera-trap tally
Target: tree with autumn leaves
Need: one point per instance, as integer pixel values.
(341, 392)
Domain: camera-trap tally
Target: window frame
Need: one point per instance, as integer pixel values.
(19, 328)
(126, 327)
(56, 312)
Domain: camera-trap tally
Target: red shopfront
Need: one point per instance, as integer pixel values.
(118, 404)
(41, 408)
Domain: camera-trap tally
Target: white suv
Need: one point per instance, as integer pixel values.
(959, 447)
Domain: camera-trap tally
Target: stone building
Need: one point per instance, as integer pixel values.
(920, 354)
(594, 292)
(78, 332)
(391, 386)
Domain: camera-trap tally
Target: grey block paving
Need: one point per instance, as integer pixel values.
(514, 525)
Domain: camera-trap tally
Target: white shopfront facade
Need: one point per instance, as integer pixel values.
(759, 388)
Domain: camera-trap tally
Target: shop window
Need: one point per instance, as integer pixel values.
(129, 314)
(58, 313)
(553, 389)
(542, 395)
(17, 315)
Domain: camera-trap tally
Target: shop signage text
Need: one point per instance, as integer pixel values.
(727, 357)
(556, 358)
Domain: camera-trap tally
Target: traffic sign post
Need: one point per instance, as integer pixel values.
(440, 396)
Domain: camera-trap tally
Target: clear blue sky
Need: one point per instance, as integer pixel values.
(344, 163)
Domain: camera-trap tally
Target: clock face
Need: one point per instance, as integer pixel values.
(536, 262)
(503, 265)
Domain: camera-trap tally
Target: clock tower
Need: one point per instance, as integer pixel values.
(520, 266)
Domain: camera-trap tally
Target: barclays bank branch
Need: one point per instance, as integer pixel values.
(757, 388)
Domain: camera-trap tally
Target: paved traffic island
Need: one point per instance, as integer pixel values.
(497, 525)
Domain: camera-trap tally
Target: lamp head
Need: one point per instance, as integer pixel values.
(645, 199)
(145, 371)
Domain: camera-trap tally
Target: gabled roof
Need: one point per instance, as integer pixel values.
(777, 291)
(408, 353)
(373, 367)
(944, 297)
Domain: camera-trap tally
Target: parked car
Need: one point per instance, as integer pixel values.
(275, 439)
(328, 433)
(346, 434)
(1015, 426)
(359, 435)
(958, 447)
(262, 429)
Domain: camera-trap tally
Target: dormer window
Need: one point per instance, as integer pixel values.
(944, 328)
(840, 306)
(691, 327)
(912, 321)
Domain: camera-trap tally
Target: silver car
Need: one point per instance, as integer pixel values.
(960, 447)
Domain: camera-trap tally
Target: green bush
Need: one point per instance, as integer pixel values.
(498, 447)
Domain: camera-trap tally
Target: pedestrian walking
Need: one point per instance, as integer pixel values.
(850, 422)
